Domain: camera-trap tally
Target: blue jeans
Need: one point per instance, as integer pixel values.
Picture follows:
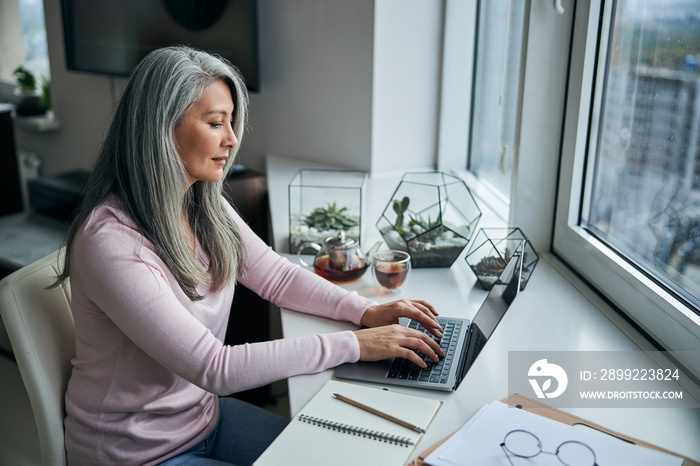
(243, 433)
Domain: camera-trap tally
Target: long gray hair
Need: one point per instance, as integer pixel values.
(140, 164)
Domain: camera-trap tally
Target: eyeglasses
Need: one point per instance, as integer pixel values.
(525, 444)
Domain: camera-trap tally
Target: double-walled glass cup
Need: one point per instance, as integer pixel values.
(391, 269)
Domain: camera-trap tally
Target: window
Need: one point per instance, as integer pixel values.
(645, 186)
(35, 47)
(628, 214)
(481, 84)
(23, 33)
(496, 92)
(607, 161)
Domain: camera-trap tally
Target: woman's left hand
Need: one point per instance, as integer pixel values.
(415, 309)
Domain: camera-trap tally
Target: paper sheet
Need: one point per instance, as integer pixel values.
(479, 440)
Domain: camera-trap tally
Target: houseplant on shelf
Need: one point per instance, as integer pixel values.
(30, 98)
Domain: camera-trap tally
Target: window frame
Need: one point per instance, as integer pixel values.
(456, 107)
(660, 314)
(535, 162)
(459, 42)
(550, 163)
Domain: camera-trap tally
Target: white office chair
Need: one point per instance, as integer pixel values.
(41, 329)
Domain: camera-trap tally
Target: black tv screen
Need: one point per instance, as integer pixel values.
(111, 36)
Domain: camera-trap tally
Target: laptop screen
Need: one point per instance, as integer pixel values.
(494, 307)
(501, 295)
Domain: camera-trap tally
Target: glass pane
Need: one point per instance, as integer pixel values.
(496, 90)
(35, 48)
(645, 197)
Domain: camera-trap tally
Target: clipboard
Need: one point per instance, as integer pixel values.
(541, 409)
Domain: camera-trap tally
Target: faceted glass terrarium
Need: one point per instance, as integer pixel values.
(324, 202)
(432, 216)
(492, 249)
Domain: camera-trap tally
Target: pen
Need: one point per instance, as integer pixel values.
(379, 413)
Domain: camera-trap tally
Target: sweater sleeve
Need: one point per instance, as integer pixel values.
(291, 286)
(117, 274)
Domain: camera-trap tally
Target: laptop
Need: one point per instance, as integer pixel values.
(462, 341)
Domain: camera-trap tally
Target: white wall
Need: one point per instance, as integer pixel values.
(406, 85)
(316, 93)
(348, 83)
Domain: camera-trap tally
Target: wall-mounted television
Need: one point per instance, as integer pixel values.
(111, 36)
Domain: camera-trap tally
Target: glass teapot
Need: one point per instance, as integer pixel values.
(339, 259)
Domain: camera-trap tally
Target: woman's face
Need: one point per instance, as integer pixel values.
(205, 135)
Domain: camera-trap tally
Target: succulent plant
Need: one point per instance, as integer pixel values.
(330, 218)
(427, 226)
(491, 265)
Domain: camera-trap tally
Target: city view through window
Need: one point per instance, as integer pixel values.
(645, 196)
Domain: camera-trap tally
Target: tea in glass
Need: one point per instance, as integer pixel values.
(391, 269)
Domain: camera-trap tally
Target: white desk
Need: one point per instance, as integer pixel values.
(551, 314)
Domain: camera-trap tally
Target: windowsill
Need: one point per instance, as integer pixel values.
(486, 194)
(557, 312)
(38, 124)
(281, 170)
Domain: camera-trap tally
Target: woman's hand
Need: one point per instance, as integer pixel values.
(387, 339)
(389, 313)
(396, 341)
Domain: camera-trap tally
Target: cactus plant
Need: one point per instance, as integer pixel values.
(400, 207)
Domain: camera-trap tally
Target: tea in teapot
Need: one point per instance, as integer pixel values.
(339, 259)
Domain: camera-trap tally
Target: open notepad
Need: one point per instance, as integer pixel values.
(330, 431)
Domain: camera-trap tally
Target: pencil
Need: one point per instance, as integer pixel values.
(379, 413)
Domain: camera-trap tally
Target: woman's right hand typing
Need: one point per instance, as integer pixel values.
(396, 341)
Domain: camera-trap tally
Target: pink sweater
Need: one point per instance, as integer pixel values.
(150, 362)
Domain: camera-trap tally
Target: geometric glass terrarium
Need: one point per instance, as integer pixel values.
(491, 250)
(432, 216)
(324, 202)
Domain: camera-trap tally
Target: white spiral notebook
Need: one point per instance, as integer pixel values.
(330, 431)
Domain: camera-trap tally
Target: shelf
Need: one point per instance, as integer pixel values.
(38, 124)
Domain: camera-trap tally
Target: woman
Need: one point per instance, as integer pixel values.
(153, 257)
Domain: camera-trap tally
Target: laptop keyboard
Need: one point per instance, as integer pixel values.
(435, 372)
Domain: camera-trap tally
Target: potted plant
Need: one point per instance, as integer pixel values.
(431, 216)
(491, 250)
(29, 98)
(323, 203)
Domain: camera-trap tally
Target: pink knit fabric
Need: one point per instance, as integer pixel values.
(150, 363)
